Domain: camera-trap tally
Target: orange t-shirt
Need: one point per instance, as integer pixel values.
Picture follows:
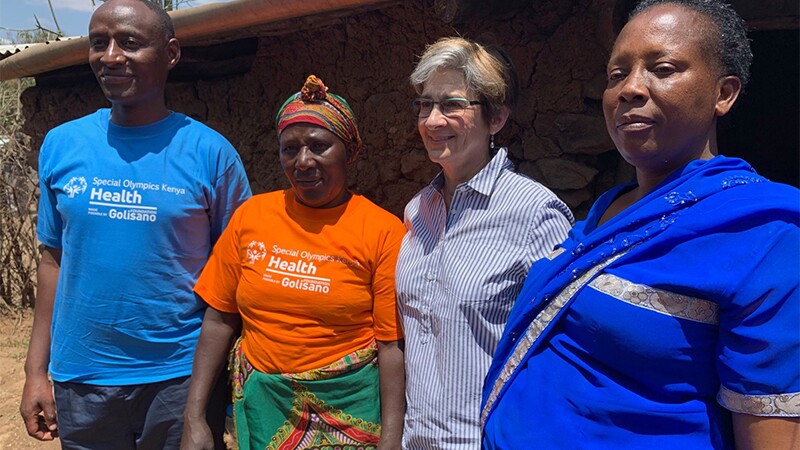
(312, 285)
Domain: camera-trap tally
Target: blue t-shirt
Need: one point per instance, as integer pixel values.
(136, 211)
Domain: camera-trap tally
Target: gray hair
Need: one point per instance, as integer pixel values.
(487, 70)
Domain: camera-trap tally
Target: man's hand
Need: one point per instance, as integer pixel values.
(38, 409)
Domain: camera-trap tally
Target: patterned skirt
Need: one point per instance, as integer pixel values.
(336, 407)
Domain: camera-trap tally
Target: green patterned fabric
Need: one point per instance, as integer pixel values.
(320, 409)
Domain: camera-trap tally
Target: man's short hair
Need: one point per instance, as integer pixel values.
(164, 20)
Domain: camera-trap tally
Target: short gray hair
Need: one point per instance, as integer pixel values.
(487, 70)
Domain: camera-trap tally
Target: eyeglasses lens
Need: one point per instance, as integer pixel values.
(451, 107)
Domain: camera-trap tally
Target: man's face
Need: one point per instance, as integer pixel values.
(130, 54)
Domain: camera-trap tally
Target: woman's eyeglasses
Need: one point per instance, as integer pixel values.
(450, 107)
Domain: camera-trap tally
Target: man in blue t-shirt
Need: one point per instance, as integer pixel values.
(132, 200)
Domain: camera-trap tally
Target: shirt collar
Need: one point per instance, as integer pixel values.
(484, 181)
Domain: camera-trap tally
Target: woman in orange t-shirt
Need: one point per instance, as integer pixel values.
(308, 275)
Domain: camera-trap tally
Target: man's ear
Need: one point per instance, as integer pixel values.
(728, 88)
(173, 52)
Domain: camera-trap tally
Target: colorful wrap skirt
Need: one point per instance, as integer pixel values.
(336, 407)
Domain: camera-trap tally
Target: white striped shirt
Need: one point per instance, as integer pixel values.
(458, 274)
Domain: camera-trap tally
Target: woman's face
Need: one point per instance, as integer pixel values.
(665, 91)
(315, 162)
(459, 144)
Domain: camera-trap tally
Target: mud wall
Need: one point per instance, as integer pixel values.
(556, 134)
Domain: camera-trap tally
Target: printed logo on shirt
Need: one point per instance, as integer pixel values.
(75, 186)
(298, 269)
(256, 251)
(119, 199)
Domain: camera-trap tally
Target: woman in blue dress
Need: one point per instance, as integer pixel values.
(670, 317)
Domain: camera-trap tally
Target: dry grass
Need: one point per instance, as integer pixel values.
(15, 330)
(18, 197)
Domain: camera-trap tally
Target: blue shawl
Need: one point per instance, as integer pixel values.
(720, 195)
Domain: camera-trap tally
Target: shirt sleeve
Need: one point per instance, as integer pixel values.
(49, 224)
(219, 281)
(549, 227)
(231, 188)
(385, 315)
(759, 350)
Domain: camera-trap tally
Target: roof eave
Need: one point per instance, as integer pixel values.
(190, 24)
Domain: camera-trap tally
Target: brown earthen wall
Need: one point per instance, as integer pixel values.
(556, 135)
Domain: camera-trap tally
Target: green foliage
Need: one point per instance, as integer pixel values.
(37, 35)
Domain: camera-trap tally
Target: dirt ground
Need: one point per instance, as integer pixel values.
(15, 329)
(14, 332)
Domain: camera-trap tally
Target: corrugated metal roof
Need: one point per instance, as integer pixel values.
(8, 50)
(192, 26)
(12, 49)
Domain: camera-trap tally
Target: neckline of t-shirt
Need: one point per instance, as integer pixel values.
(138, 132)
(314, 214)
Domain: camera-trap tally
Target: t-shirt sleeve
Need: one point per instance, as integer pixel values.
(386, 317)
(48, 224)
(759, 352)
(219, 281)
(231, 188)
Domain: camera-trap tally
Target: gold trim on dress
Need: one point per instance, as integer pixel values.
(555, 253)
(658, 300)
(536, 328)
(773, 405)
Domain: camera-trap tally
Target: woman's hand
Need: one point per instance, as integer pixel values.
(392, 373)
(216, 338)
(197, 435)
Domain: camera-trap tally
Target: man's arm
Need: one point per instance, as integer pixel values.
(216, 337)
(766, 433)
(392, 373)
(37, 406)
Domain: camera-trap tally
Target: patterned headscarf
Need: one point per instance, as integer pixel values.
(314, 105)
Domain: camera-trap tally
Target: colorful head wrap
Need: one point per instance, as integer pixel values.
(314, 105)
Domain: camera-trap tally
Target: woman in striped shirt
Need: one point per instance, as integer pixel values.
(472, 235)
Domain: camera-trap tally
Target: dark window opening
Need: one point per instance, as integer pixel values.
(764, 127)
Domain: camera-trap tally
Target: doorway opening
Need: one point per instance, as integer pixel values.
(764, 126)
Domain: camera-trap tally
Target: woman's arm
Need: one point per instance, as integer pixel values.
(392, 372)
(216, 338)
(766, 433)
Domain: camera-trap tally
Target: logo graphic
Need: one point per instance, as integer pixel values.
(76, 185)
(256, 251)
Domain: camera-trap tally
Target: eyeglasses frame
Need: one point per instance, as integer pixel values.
(435, 103)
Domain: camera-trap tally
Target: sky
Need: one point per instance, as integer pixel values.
(73, 15)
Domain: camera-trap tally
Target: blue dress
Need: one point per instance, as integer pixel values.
(647, 331)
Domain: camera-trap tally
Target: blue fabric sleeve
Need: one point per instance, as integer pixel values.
(230, 189)
(759, 346)
(48, 224)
